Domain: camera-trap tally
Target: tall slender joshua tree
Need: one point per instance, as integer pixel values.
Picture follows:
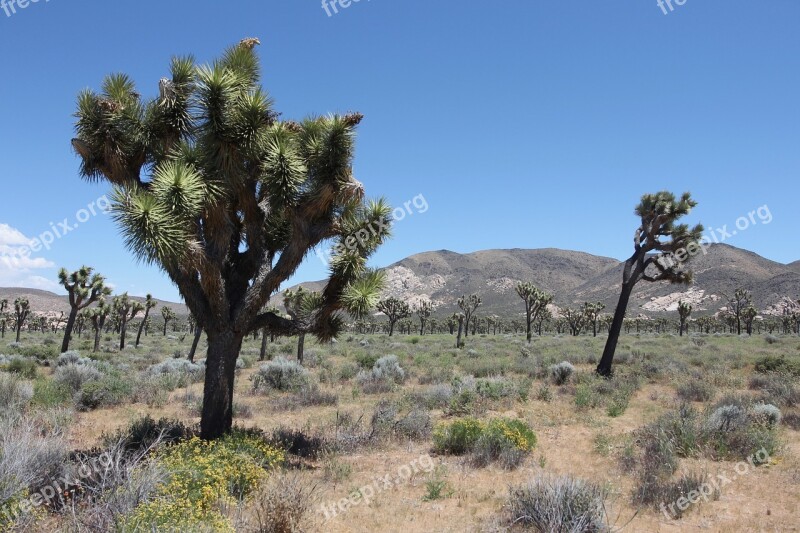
(167, 314)
(84, 288)
(424, 313)
(742, 300)
(535, 300)
(684, 312)
(149, 303)
(98, 315)
(661, 249)
(22, 308)
(125, 310)
(228, 200)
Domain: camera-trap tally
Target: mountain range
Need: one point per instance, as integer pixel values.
(572, 277)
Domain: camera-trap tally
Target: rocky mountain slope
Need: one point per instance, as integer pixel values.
(576, 277)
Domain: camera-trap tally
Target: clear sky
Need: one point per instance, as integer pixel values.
(522, 123)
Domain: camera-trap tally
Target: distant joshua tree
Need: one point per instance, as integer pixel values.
(84, 288)
(424, 313)
(301, 306)
(748, 316)
(394, 309)
(576, 319)
(592, 312)
(654, 259)
(684, 312)
(98, 315)
(536, 301)
(125, 309)
(168, 315)
(3, 317)
(22, 308)
(468, 305)
(149, 303)
(742, 300)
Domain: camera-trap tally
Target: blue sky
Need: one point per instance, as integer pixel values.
(523, 123)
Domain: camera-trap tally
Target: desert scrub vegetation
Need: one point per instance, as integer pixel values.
(564, 504)
(385, 375)
(505, 440)
(201, 475)
(280, 375)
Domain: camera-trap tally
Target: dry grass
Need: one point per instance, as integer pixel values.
(765, 499)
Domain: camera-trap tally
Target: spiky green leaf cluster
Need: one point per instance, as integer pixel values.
(227, 198)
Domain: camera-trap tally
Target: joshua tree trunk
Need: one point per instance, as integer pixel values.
(460, 328)
(123, 329)
(141, 326)
(197, 332)
(73, 315)
(97, 339)
(223, 350)
(301, 343)
(604, 368)
(264, 337)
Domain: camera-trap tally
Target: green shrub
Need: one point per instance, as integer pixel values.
(458, 437)
(106, 392)
(366, 360)
(50, 393)
(771, 363)
(486, 441)
(26, 368)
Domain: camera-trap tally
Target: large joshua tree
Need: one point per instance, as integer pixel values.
(228, 199)
(149, 303)
(661, 250)
(536, 301)
(22, 308)
(394, 309)
(84, 288)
